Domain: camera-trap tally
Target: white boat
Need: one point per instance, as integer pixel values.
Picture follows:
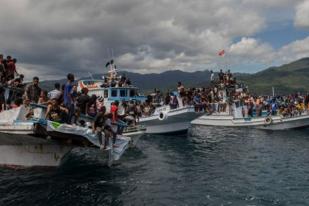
(24, 143)
(268, 122)
(169, 121)
(164, 120)
(13, 121)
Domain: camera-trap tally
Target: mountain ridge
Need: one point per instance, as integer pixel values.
(287, 78)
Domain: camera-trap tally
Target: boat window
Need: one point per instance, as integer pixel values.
(132, 93)
(105, 93)
(114, 93)
(123, 93)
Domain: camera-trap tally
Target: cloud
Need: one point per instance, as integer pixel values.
(60, 36)
(295, 50)
(252, 49)
(302, 14)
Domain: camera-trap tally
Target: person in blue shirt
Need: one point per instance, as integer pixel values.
(274, 108)
(68, 99)
(197, 102)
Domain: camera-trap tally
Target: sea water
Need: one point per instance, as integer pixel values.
(212, 166)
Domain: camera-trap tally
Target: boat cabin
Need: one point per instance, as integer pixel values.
(111, 94)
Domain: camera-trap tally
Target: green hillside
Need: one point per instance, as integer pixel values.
(288, 78)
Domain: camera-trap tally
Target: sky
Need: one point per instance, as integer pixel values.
(51, 38)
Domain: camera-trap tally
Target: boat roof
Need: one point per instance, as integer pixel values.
(109, 87)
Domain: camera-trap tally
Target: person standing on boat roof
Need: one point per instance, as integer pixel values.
(2, 67)
(212, 76)
(11, 68)
(181, 94)
(16, 92)
(221, 76)
(33, 91)
(68, 98)
(112, 70)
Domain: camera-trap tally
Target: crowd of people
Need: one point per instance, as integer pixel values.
(225, 95)
(66, 104)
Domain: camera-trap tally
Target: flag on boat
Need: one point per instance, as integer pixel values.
(221, 53)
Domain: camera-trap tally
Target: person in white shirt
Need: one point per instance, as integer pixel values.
(56, 93)
(212, 76)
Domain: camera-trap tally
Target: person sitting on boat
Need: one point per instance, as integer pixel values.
(112, 126)
(17, 103)
(128, 82)
(146, 109)
(299, 107)
(55, 112)
(100, 103)
(43, 98)
(92, 106)
(167, 98)
(98, 126)
(258, 107)
(33, 90)
(173, 101)
(28, 109)
(122, 81)
(131, 113)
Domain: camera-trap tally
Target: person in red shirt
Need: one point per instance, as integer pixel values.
(114, 111)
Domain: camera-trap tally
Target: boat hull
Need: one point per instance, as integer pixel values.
(175, 122)
(135, 136)
(276, 123)
(27, 151)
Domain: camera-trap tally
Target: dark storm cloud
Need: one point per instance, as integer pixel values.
(78, 36)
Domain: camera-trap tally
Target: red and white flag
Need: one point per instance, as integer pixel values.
(221, 53)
